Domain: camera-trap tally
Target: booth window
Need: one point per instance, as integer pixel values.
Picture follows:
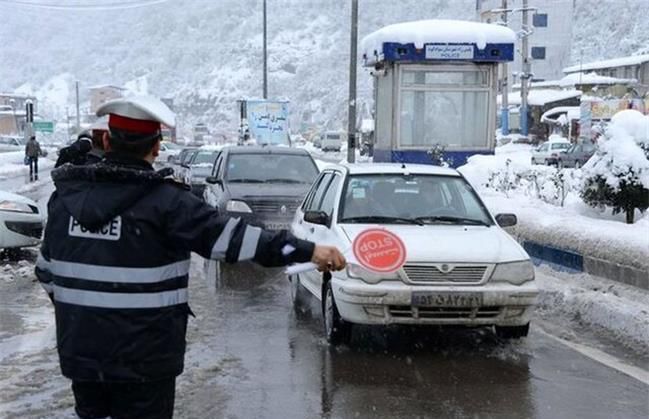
(538, 53)
(540, 20)
(445, 108)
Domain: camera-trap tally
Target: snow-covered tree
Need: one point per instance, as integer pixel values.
(618, 175)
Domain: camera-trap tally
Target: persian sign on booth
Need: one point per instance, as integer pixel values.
(379, 250)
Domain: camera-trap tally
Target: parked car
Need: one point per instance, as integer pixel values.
(185, 156)
(548, 152)
(332, 141)
(261, 185)
(21, 222)
(576, 156)
(461, 267)
(11, 143)
(168, 151)
(317, 141)
(200, 166)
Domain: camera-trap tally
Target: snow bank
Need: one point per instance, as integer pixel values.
(436, 31)
(12, 164)
(618, 309)
(574, 227)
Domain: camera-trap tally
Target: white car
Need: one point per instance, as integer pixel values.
(21, 222)
(549, 151)
(168, 152)
(332, 140)
(461, 267)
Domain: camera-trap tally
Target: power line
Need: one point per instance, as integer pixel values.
(113, 5)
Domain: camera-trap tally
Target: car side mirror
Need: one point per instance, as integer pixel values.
(213, 180)
(506, 220)
(316, 217)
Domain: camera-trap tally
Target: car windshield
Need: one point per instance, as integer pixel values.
(172, 146)
(271, 168)
(561, 146)
(416, 199)
(333, 136)
(205, 158)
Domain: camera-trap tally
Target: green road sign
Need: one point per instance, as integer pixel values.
(43, 126)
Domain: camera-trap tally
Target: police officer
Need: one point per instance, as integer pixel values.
(115, 262)
(88, 148)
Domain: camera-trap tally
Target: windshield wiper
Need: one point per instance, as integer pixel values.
(243, 180)
(451, 219)
(381, 219)
(283, 181)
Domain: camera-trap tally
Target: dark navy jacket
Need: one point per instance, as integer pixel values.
(115, 260)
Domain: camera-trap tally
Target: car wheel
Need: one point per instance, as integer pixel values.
(512, 332)
(559, 164)
(337, 331)
(533, 160)
(298, 298)
(577, 164)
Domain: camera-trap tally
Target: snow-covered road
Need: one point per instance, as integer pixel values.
(250, 356)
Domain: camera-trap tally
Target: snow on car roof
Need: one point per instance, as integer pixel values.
(541, 97)
(376, 168)
(422, 32)
(612, 63)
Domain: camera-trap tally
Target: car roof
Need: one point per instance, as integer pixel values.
(264, 150)
(399, 168)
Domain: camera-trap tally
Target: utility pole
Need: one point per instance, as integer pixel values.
(526, 74)
(265, 55)
(351, 115)
(76, 86)
(504, 114)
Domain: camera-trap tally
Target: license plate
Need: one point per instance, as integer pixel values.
(277, 226)
(450, 299)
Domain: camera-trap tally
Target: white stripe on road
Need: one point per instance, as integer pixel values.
(603, 358)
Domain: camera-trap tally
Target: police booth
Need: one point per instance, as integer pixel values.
(435, 87)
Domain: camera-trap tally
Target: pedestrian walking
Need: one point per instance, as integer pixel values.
(32, 152)
(115, 262)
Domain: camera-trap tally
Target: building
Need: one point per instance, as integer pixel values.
(16, 101)
(551, 38)
(102, 94)
(633, 67)
(13, 114)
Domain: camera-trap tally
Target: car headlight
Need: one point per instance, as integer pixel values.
(358, 272)
(237, 206)
(15, 206)
(515, 273)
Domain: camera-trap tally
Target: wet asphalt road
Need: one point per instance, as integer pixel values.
(250, 356)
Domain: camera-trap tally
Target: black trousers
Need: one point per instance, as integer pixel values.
(147, 400)
(33, 166)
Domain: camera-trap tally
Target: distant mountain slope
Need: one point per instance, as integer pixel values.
(207, 53)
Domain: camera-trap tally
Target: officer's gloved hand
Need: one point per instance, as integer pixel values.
(328, 258)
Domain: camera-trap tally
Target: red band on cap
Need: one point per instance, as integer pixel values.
(139, 126)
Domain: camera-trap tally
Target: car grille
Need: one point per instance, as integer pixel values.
(465, 274)
(26, 229)
(274, 207)
(445, 312)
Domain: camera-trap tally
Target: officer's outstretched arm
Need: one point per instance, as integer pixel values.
(198, 227)
(43, 267)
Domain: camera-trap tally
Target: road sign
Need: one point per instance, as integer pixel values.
(379, 250)
(43, 126)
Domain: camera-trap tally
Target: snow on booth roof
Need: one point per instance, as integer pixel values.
(436, 31)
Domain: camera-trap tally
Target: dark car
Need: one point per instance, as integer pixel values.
(185, 156)
(576, 156)
(201, 164)
(263, 185)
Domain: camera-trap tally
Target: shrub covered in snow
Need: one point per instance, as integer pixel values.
(618, 175)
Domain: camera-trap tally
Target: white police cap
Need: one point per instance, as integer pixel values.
(137, 114)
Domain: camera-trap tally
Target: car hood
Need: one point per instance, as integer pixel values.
(8, 196)
(253, 190)
(445, 243)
